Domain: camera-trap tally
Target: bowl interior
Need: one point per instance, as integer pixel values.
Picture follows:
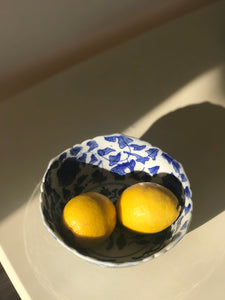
(110, 167)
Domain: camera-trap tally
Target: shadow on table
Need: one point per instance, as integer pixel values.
(195, 136)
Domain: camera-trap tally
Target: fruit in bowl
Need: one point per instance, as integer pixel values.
(89, 219)
(108, 165)
(147, 207)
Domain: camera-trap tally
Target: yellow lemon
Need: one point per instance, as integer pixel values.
(147, 207)
(90, 217)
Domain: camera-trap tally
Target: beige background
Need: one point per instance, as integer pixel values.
(145, 87)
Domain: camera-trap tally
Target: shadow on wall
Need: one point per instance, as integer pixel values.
(195, 136)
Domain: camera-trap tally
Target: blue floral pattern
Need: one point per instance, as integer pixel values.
(108, 164)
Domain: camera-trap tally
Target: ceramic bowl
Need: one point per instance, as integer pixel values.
(109, 164)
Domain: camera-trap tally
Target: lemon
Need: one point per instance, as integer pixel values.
(147, 207)
(90, 217)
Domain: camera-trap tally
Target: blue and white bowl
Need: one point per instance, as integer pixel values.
(109, 164)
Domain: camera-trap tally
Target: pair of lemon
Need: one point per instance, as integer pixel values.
(142, 207)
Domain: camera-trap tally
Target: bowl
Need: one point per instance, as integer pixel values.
(109, 164)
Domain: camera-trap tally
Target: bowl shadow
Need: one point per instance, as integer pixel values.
(195, 136)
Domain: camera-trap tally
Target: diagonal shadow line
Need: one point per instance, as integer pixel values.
(195, 136)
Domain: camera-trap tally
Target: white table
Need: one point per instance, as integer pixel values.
(135, 88)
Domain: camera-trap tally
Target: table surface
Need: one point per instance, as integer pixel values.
(165, 86)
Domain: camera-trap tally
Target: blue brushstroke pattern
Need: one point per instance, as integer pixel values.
(105, 151)
(93, 159)
(184, 225)
(120, 168)
(176, 166)
(110, 138)
(114, 159)
(137, 147)
(123, 141)
(75, 150)
(183, 177)
(167, 157)
(92, 145)
(139, 158)
(83, 158)
(187, 209)
(179, 222)
(152, 152)
(187, 192)
(153, 170)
